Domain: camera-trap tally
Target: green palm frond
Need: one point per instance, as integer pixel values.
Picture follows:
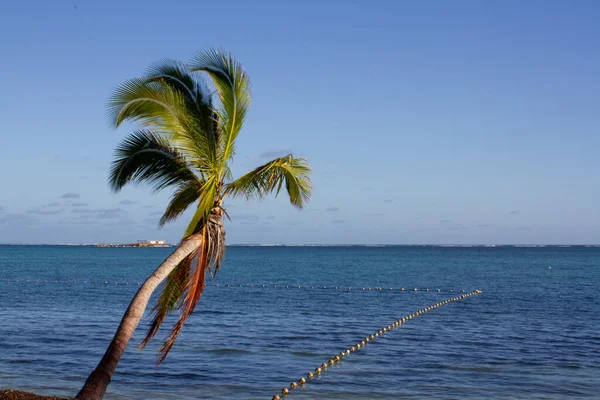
(292, 172)
(233, 88)
(155, 105)
(150, 103)
(146, 157)
(183, 197)
(209, 195)
(194, 89)
(176, 75)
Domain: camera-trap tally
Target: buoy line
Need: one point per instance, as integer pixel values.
(345, 353)
(251, 286)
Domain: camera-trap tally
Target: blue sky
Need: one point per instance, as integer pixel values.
(425, 122)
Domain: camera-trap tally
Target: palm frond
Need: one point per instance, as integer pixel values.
(146, 157)
(210, 254)
(208, 198)
(156, 105)
(176, 75)
(198, 98)
(233, 88)
(292, 172)
(216, 240)
(182, 198)
(149, 103)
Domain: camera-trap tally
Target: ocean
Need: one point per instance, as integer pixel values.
(534, 332)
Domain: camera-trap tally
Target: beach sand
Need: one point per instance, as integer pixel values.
(8, 394)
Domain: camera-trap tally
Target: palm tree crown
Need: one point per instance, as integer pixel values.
(186, 142)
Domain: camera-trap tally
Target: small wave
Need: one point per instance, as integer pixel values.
(303, 353)
(228, 351)
(217, 312)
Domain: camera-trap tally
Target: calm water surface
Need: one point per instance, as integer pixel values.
(533, 334)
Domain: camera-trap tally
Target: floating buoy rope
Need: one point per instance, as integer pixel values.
(237, 286)
(337, 358)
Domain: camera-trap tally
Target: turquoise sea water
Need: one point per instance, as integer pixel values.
(533, 333)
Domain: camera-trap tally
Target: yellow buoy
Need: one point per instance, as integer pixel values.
(293, 385)
(331, 362)
(284, 391)
(310, 375)
(302, 381)
(318, 370)
(276, 397)
(324, 366)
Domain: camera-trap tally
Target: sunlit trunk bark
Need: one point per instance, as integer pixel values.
(96, 383)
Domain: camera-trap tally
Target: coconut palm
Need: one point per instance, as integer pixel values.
(186, 143)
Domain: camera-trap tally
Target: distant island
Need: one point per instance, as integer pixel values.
(139, 243)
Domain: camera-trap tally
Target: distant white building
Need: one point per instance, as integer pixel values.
(152, 243)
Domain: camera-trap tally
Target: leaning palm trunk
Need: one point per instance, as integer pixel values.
(97, 382)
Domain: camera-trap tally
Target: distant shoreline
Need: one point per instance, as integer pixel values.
(129, 245)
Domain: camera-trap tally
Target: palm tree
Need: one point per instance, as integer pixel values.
(186, 142)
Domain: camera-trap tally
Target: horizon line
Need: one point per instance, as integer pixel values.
(333, 244)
